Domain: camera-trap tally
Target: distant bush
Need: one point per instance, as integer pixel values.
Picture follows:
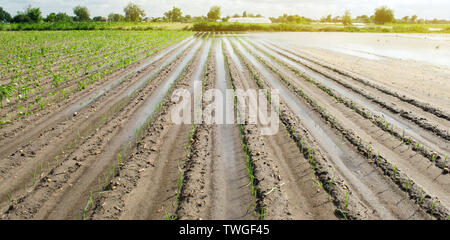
(238, 27)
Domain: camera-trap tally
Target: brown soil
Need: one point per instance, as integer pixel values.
(95, 164)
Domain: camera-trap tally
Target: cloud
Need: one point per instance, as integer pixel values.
(310, 8)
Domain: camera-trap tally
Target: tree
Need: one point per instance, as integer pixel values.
(30, 15)
(21, 18)
(347, 19)
(383, 15)
(214, 13)
(174, 15)
(4, 16)
(81, 13)
(58, 17)
(99, 19)
(244, 14)
(133, 12)
(51, 17)
(363, 19)
(236, 15)
(413, 18)
(34, 14)
(405, 19)
(115, 17)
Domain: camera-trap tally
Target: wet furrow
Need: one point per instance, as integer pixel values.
(154, 196)
(67, 204)
(231, 195)
(23, 177)
(9, 146)
(417, 168)
(285, 178)
(441, 146)
(410, 129)
(384, 197)
(406, 99)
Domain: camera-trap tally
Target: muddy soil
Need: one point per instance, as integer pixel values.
(115, 151)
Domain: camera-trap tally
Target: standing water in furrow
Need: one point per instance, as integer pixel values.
(232, 198)
(356, 170)
(12, 187)
(121, 139)
(410, 129)
(154, 189)
(84, 102)
(92, 97)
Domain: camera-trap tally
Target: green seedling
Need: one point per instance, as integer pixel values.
(407, 186)
(417, 146)
(330, 188)
(346, 201)
(88, 204)
(369, 150)
(318, 183)
(421, 197)
(433, 158)
(395, 171)
(378, 159)
(8, 195)
(118, 161)
(170, 217)
(432, 209)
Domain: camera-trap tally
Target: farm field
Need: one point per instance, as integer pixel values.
(87, 128)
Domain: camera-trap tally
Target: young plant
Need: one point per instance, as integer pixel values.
(346, 201)
(378, 159)
(407, 186)
(432, 208)
(395, 171)
(421, 197)
(170, 217)
(8, 195)
(330, 188)
(88, 205)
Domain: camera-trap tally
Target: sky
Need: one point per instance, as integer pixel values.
(427, 9)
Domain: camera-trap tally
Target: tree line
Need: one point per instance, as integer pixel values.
(134, 13)
(381, 15)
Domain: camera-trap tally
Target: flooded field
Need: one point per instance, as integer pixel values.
(362, 132)
(413, 64)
